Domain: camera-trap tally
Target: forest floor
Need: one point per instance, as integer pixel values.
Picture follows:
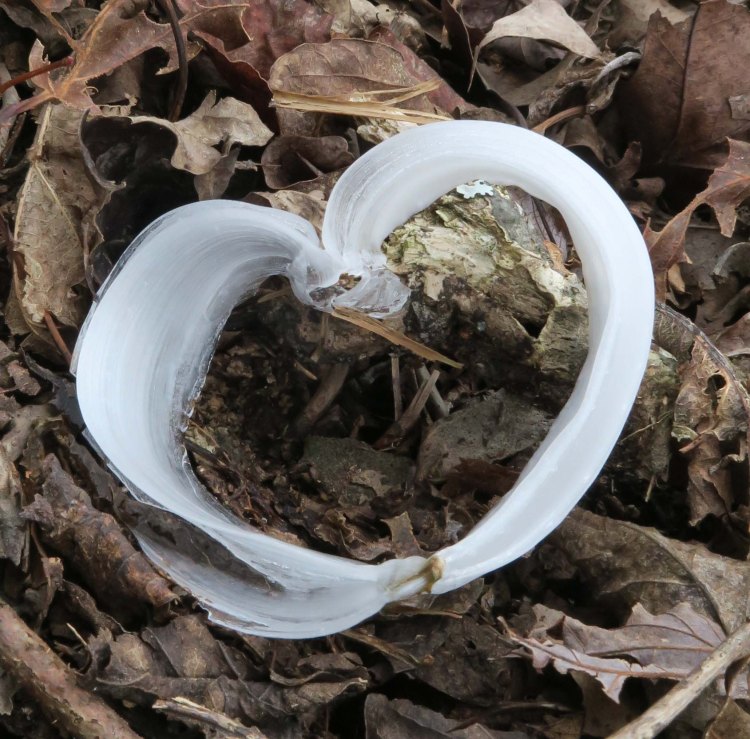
(316, 430)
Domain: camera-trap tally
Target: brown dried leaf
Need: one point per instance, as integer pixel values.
(214, 124)
(633, 19)
(51, 6)
(344, 69)
(54, 221)
(443, 96)
(622, 564)
(399, 718)
(669, 646)
(273, 28)
(676, 104)
(727, 188)
(183, 659)
(291, 159)
(730, 723)
(114, 38)
(711, 418)
(611, 673)
(13, 528)
(544, 20)
(464, 659)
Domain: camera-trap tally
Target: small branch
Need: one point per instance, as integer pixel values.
(52, 684)
(398, 403)
(400, 428)
(67, 62)
(440, 407)
(329, 388)
(666, 710)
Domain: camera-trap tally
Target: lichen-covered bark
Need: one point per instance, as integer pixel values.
(484, 262)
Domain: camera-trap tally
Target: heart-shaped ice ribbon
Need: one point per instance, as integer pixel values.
(144, 351)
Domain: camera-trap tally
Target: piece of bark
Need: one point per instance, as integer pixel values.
(94, 541)
(53, 685)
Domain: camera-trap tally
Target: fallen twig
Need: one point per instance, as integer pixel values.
(330, 386)
(397, 430)
(52, 684)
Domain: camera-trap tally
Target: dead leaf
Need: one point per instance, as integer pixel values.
(667, 646)
(676, 104)
(54, 223)
(273, 28)
(462, 658)
(291, 159)
(611, 673)
(183, 659)
(443, 95)
(711, 421)
(544, 20)
(731, 722)
(116, 37)
(623, 564)
(13, 528)
(214, 124)
(344, 69)
(400, 718)
(633, 19)
(493, 428)
(727, 188)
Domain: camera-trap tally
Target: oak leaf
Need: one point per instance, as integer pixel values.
(648, 646)
(727, 188)
(116, 37)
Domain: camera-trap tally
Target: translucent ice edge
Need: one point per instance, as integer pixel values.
(144, 351)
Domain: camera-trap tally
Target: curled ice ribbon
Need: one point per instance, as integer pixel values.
(145, 347)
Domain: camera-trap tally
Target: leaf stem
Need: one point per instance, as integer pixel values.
(66, 62)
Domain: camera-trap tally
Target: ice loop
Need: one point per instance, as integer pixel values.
(139, 363)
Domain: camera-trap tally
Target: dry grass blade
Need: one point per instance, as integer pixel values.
(395, 337)
(370, 104)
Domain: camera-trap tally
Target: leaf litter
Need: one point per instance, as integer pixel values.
(393, 439)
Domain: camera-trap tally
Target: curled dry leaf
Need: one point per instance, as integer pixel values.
(55, 221)
(726, 190)
(676, 104)
(95, 542)
(666, 646)
(290, 159)
(711, 422)
(214, 124)
(544, 20)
